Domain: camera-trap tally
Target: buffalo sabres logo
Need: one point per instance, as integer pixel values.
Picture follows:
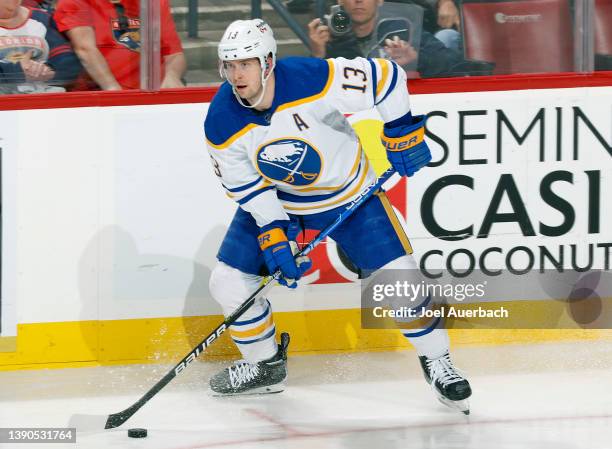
(292, 161)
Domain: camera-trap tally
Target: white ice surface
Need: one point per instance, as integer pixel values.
(556, 396)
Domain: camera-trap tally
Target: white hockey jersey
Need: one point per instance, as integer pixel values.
(302, 156)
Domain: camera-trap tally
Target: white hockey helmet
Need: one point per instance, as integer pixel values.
(244, 39)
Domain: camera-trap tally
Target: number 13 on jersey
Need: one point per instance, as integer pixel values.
(357, 77)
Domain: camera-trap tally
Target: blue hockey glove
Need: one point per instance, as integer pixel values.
(279, 254)
(405, 144)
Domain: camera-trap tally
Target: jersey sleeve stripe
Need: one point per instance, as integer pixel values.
(384, 67)
(374, 78)
(252, 195)
(392, 85)
(330, 78)
(232, 139)
(243, 187)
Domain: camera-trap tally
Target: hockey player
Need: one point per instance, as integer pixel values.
(284, 151)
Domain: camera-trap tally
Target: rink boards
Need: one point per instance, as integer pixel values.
(112, 217)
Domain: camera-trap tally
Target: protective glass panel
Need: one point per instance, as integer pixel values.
(179, 48)
(522, 36)
(75, 45)
(390, 31)
(34, 56)
(603, 34)
(200, 26)
(406, 32)
(397, 36)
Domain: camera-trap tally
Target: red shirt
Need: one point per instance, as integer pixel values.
(31, 3)
(120, 47)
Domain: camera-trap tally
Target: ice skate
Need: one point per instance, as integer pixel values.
(267, 376)
(450, 387)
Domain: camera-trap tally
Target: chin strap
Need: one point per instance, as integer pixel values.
(264, 81)
(254, 105)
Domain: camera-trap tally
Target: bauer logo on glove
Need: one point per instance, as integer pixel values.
(403, 143)
(404, 140)
(279, 255)
(271, 237)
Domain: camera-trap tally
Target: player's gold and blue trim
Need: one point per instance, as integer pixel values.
(434, 324)
(252, 195)
(299, 81)
(419, 327)
(374, 71)
(351, 175)
(243, 187)
(397, 226)
(246, 192)
(255, 329)
(384, 87)
(290, 197)
(402, 143)
(380, 88)
(384, 66)
(305, 203)
(316, 96)
(232, 138)
(270, 238)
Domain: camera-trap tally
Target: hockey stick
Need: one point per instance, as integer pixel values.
(100, 422)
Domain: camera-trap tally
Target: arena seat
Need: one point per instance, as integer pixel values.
(522, 36)
(603, 34)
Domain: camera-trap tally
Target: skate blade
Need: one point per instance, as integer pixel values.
(463, 406)
(270, 389)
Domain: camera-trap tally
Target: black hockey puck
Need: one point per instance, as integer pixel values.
(137, 433)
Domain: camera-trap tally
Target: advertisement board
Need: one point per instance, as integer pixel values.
(120, 217)
(8, 173)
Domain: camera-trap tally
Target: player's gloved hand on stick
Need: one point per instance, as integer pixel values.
(404, 140)
(279, 254)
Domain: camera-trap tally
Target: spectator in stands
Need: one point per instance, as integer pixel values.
(34, 56)
(106, 37)
(434, 58)
(440, 17)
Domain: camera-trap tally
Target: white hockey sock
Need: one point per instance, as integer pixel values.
(254, 332)
(433, 345)
(431, 341)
